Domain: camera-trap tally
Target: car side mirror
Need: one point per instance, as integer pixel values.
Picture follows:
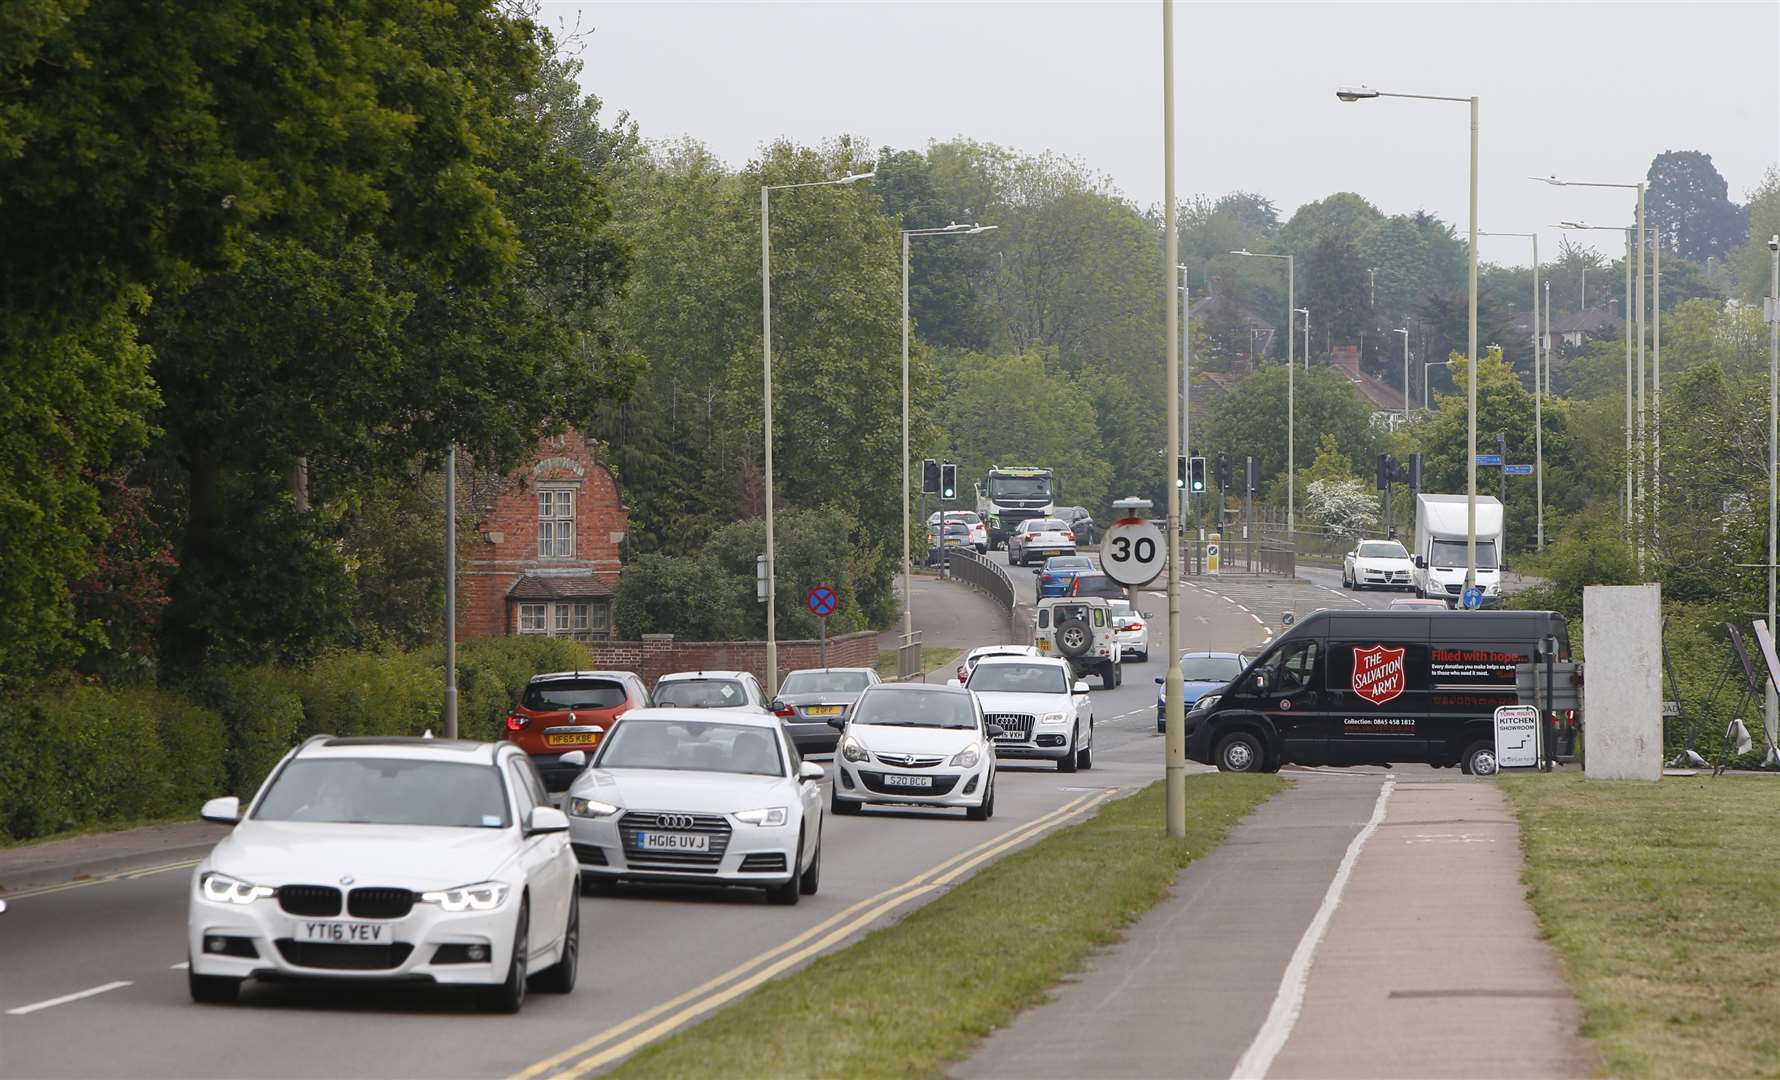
(1421, 563)
(995, 731)
(1038, 572)
(838, 723)
(1159, 680)
(576, 759)
(223, 811)
(810, 772)
(1080, 687)
(546, 819)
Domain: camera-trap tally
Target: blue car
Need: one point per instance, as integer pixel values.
(1059, 570)
(1202, 672)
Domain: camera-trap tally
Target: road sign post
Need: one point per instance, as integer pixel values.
(1212, 553)
(1517, 470)
(1133, 552)
(1472, 597)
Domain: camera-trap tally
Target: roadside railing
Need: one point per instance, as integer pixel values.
(978, 572)
(1255, 556)
(908, 658)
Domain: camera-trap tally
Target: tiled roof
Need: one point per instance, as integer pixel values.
(558, 587)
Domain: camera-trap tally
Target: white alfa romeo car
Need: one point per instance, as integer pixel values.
(423, 860)
(1377, 564)
(916, 744)
(1042, 711)
(698, 797)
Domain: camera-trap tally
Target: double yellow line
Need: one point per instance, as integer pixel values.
(118, 875)
(602, 1049)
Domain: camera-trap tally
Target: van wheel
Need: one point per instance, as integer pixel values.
(1479, 759)
(1241, 752)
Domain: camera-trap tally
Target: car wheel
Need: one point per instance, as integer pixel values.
(212, 989)
(507, 997)
(1143, 657)
(812, 878)
(1241, 752)
(559, 978)
(1084, 758)
(1109, 676)
(786, 895)
(840, 807)
(1480, 759)
(984, 810)
(1066, 763)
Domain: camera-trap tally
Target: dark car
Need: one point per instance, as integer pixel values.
(1097, 584)
(810, 698)
(1374, 688)
(1058, 571)
(1081, 523)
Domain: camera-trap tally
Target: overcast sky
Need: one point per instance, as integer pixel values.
(1563, 90)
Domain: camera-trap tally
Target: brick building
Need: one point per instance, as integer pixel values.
(545, 559)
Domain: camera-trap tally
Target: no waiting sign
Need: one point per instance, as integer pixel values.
(823, 601)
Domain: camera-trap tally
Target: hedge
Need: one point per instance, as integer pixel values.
(79, 757)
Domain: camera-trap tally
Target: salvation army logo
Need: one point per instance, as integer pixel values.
(1378, 673)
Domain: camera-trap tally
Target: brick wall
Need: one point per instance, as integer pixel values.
(653, 659)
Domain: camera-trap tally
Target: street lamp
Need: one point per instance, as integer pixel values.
(1364, 93)
(1291, 391)
(1773, 314)
(1425, 368)
(1404, 330)
(766, 368)
(1304, 311)
(908, 573)
(1633, 480)
(1634, 500)
(1186, 377)
(1538, 396)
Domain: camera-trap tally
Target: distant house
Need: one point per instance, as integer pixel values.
(1573, 328)
(547, 558)
(1380, 396)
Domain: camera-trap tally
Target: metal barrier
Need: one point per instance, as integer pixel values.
(979, 573)
(1236, 556)
(908, 658)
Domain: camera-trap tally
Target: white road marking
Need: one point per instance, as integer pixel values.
(1289, 1000)
(23, 1010)
(181, 966)
(1257, 618)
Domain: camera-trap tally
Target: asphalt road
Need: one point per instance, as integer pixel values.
(652, 960)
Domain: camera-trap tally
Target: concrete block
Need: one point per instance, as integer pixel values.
(1622, 690)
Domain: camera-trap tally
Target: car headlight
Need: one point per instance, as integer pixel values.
(1205, 702)
(482, 897)
(1052, 718)
(853, 750)
(965, 758)
(590, 808)
(772, 815)
(223, 889)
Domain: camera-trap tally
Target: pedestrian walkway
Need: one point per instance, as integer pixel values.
(1357, 925)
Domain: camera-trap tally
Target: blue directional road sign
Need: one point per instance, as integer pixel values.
(1517, 470)
(1472, 598)
(1489, 459)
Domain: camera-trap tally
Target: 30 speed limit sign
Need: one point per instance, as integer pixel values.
(1133, 552)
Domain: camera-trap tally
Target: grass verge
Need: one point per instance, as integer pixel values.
(932, 656)
(1664, 902)
(907, 999)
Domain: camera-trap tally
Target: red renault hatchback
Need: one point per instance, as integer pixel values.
(570, 710)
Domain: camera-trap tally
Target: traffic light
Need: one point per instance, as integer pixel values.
(1198, 475)
(1223, 471)
(1387, 471)
(948, 481)
(930, 477)
(1180, 471)
(1414, 474)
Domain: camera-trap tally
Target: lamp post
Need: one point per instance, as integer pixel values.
(1304, 311)
(1186, 378)
(1425, 367)
(1636, 511)
(1404, 330)
(1365, 93)
(908, 573)
(1773, 314)
(1538, 396)
(1291, 392)
(1174, 748)
(451, 592)
(766, 378)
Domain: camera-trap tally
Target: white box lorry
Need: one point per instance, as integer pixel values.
(1439, 551)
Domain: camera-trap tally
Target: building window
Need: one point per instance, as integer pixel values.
(556, 523)
(562, 619)
(579, 621)
(599, 626)
(531, 618)
(583, 620)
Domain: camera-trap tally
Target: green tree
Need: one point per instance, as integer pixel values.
(1251, 419)
(1017, 409)
(1750, 262)
(687, 596)
(1687, 195)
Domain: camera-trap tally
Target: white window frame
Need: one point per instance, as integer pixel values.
(542, 613)
(556, 522)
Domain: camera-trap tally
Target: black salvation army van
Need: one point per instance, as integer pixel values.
(1374, 688)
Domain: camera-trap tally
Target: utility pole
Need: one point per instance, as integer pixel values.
(451, 592)
(1174, 688)
(1773, 314)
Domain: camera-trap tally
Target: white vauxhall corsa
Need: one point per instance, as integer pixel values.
(698, 797)
(916, 744)
(394, 859)
(1042, 711)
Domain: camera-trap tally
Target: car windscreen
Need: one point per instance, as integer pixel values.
(1019, 487)
(1019, 679)
(573, 694)
(387, 791)
(916, 708)
(823, 682)
(1098, 585)
(1451, 553)
(1383, 549)
(701, 694)
(1069, 562)
(692, 746)
(1209, 668)
(1044, 525)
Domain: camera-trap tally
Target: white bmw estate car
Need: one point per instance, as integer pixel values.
(1042, 711)
(423, 860)
(919, 744)
(699, 797)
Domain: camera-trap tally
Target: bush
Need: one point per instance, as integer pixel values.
(79, 756)
(491, 672)
(687, 596)
(262, 716)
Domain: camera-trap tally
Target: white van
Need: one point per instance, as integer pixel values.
(1439, 551)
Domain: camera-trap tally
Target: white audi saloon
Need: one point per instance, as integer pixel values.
(389, 860)
(698, 797)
